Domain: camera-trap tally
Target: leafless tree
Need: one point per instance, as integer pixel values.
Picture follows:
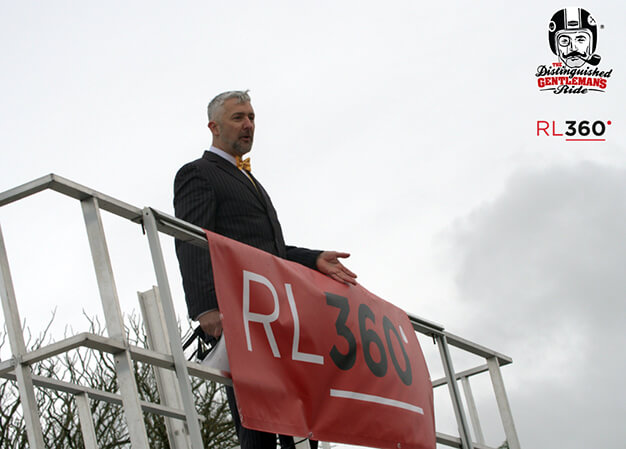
(95, 369)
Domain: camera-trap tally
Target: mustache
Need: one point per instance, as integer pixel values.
(576, 54)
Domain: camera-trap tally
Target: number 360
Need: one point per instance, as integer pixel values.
(369, 337)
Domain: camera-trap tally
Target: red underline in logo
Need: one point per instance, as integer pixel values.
(585, 140)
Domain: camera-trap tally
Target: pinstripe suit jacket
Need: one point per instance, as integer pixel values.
(212, 193)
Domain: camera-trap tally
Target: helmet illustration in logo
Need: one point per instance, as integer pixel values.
(572, 34)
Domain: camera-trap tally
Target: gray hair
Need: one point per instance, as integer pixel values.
(215, 106)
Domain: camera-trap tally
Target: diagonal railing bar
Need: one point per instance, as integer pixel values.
(113, 346)
(73, 190)
(194, 234)
(98, 395)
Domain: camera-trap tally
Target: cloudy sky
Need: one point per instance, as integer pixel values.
(404, 133)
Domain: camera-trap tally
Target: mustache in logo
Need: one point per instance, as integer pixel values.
(575, 54)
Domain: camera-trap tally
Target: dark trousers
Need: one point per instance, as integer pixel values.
(255, 439)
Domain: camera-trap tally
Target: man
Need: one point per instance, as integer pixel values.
(572, 34)
(217, 193)
(574, 47)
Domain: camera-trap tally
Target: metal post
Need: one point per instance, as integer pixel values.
(18, 348)
(158, 340)
(473, 410)
(176, 347)
(457, 404)
(304, 444)
(114, 323)
(503, 403)
(86, 421)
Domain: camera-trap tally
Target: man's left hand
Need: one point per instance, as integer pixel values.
(328, 263)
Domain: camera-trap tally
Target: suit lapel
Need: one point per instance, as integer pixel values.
(258, 191)
(271, 213)
(261, 191)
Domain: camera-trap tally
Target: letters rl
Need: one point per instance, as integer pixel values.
(543, 126)
(266, 320)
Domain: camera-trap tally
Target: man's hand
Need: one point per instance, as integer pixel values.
(211, 323)
(328, 263)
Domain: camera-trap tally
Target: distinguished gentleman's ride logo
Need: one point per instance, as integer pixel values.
(573, 38)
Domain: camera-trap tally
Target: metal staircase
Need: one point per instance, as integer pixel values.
(165, 354)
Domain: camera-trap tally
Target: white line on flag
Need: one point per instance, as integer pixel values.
(375, 399)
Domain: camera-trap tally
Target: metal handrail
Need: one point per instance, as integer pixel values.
(193, 234)
(156, 221)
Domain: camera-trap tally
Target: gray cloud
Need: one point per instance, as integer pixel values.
(542, 270)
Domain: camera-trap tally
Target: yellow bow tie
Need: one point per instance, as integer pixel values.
(243, 164)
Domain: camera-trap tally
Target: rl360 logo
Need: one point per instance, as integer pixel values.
(573, 38)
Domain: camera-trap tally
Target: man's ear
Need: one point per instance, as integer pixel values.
(214, 127)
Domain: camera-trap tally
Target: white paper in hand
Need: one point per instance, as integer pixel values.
(218, 358)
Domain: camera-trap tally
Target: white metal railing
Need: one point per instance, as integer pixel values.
(172, 370)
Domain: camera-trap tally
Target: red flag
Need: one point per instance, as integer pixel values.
(313, 357)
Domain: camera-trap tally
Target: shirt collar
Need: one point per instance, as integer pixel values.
(230, 158)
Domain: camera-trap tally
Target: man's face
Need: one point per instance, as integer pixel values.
(233, 129)
(574, 47)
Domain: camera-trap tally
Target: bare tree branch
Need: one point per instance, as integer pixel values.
(94, 369)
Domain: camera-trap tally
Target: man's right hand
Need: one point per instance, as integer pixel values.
(211, 323)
